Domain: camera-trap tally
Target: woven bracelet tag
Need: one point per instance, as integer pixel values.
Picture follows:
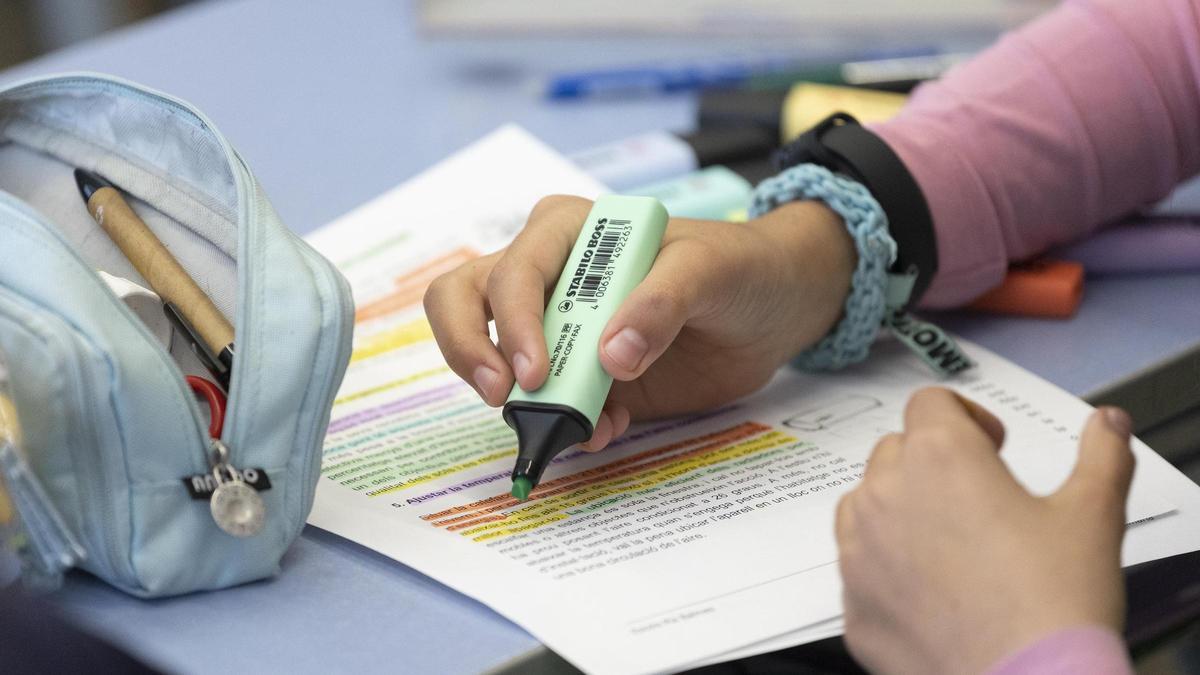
(938, 350)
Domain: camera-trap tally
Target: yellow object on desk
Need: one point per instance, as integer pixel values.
(808, 103)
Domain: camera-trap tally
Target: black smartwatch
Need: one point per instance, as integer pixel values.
(840, 144)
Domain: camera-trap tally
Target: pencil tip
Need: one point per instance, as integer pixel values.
(88, 183)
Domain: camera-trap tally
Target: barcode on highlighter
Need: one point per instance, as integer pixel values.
(595, 280)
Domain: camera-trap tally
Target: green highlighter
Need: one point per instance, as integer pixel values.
(614, 252)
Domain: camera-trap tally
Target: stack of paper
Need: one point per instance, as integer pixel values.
(689, 541)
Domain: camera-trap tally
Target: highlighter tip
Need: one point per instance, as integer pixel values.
(521, 488)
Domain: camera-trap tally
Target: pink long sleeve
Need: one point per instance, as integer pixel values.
(1086, 649)
(1071, 122)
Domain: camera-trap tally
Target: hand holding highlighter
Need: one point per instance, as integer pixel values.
(722, 307)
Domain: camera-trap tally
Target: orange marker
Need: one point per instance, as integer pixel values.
(1043, 288)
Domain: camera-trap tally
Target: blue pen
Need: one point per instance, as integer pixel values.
(634, 81)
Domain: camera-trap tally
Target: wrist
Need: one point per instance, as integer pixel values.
(841, 145)
(817, 257)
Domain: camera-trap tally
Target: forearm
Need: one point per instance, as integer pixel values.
(1069, 123)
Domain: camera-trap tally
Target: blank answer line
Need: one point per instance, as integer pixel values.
(729, 593)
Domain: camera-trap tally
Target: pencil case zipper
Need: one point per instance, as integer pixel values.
(51, 544)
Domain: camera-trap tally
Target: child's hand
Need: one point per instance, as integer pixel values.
(723, 307)
(949, 564)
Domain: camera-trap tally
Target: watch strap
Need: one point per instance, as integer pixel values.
(842, 145)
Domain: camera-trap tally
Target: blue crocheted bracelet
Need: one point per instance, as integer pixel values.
(877, 297)
(867, 304)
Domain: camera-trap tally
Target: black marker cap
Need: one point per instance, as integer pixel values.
(543, 431)
(722, 145)
(760, 109)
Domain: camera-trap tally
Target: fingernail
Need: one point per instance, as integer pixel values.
(485, 380)
(520, 365)
(1118, 420)
(627, 348)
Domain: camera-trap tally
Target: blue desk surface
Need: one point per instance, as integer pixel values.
(334, 103)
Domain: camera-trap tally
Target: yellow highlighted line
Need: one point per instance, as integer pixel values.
(633, 464)
(403, 336)
(432, 372)
(551, 510)
(445, 471)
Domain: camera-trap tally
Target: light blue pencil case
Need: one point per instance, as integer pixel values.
(111, 431)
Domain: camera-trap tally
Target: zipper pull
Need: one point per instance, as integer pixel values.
(235, 506)
(49, 547)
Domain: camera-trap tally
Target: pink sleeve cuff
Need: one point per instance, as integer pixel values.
(973, 255)
(1071, 122)
(1085, 649)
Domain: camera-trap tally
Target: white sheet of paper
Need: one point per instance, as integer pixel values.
(813, 633)
(689, 539)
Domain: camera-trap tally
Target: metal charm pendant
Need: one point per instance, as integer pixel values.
(237, 509)
(235, 506)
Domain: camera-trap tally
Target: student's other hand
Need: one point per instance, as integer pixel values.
(723, 307)
(950, 565)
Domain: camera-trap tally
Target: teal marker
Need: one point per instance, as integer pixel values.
(712, 193)
(614, 252)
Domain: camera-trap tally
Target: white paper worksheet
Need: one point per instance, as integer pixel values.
(689, 540)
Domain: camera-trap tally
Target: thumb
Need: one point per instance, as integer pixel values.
(1105, 466)
(653, 314)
